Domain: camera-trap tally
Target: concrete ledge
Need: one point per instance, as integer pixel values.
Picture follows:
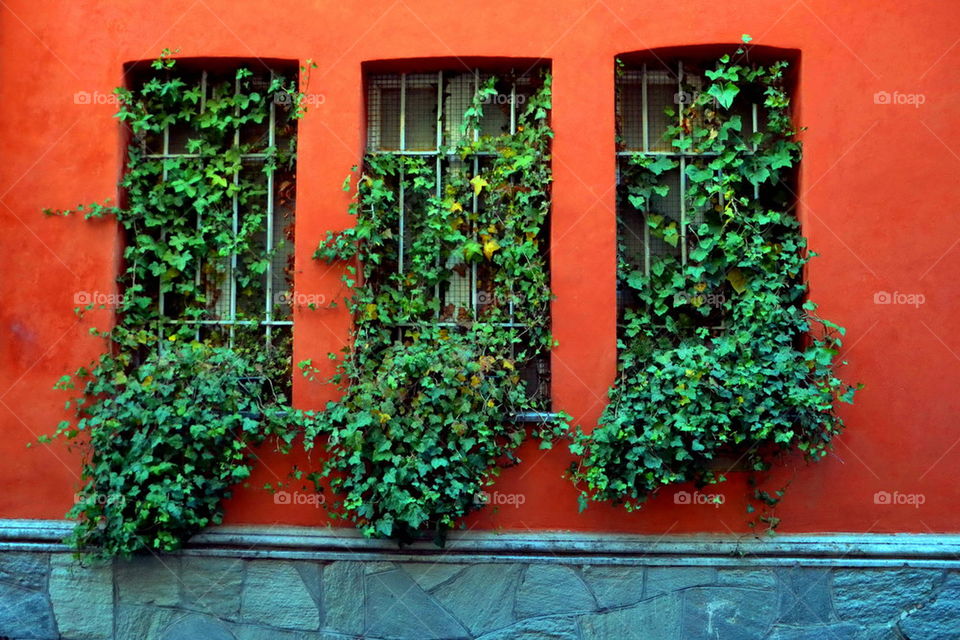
(326, 543)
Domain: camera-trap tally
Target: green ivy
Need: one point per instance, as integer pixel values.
(429, 389)
(722, 354)
(167, 415)
(166, 440)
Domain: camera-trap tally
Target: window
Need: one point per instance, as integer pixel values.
(231, 282)
(422, 115)
(658, 214)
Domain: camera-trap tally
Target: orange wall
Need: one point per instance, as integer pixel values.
(879, 198)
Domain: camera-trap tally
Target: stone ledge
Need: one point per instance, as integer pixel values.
(326, 543)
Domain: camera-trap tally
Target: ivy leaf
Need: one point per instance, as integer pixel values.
(582, 502)
(724, 93)
(489, 247)
(478, 184)
(660, 164)
(737, 280)
(699, 174)
(637, 279)
(671, 235)
(472, 249)
(698, 253)
(385, 526)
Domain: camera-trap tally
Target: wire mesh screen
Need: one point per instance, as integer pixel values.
(240, 292)
(662, 94)
(422, 114)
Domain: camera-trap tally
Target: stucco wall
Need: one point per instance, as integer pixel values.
(877, 194)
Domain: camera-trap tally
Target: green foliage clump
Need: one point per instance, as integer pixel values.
(165, 442)
(720, 354)
(429, 384)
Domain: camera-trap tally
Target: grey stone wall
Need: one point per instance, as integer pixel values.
(48, 596)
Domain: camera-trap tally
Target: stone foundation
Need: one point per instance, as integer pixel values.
(362, 589)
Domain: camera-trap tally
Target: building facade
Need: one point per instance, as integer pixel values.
(866, 546)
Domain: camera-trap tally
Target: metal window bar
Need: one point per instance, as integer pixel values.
(230, 286)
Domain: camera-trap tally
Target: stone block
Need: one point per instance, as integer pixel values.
(149, 580)
(726, 612)
(396, 607)
(25, 614)
(141, 622)
(430, 574)
(655, 619)
(615, 586)
(343, 597)
(538, 629)
(838, 631)
(748, 578)
(940, 618)
(82, 598)
(804, 596)
(481, 597)
(211, 585)
(879, 596)
(274, 594)
(196, 627)
(548, 589)
(26, 570)
(663, 580)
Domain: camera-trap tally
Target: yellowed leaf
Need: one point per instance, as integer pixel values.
(737, 280)
(478, 184)
(489, 247)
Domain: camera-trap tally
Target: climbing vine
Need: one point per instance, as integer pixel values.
(166, 417)
(721, 354)
(430, 384)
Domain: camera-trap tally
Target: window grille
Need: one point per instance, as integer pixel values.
(238, 299)
(420, 114)
(644, 94)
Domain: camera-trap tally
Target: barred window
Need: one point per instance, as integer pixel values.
(227, 297)
(422, 114)
(649, 100)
